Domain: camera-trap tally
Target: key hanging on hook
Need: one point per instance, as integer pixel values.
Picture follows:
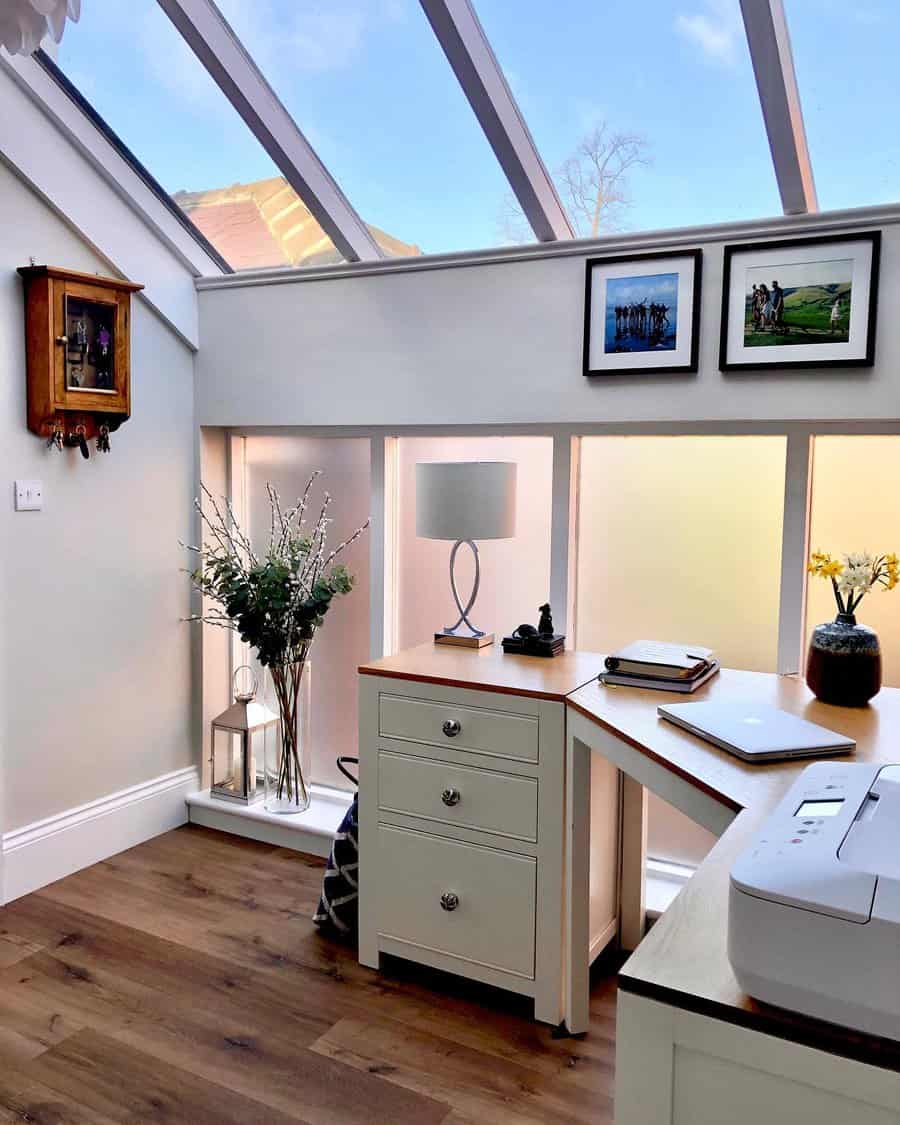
(81, 440)
(103, 439)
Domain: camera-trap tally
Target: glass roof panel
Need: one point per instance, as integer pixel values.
(369, 85)
(846, 61)
(668, 87)
(132, 65)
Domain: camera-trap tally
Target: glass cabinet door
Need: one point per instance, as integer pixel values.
(90, 345)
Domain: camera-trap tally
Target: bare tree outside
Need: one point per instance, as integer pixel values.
(592, 183)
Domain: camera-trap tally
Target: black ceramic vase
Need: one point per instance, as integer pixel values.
(844, 662)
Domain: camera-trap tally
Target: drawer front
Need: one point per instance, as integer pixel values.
(451, 794)
(492, 920)
(501, 733)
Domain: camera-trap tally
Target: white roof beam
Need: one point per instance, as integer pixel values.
(469, 52)
(776, 81)
(217, 47)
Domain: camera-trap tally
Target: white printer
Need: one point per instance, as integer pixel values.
(814, 902)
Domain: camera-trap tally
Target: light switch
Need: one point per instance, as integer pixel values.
(29, 495)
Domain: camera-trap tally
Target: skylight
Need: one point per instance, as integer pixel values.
(135, 69)
(846, 61)
(669, 87)
(368, 84)
(663, 97)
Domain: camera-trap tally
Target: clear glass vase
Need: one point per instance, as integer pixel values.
(287, 741)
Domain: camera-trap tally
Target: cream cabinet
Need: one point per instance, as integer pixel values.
(462, 806)
(675, 1067)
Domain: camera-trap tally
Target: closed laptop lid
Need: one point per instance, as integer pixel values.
(754, 728)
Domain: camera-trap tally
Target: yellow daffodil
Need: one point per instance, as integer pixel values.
(855, 575)
(824, 565)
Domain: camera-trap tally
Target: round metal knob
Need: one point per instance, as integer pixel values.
(62, 339)
(451, 727)
(451, 797)
(449, 900)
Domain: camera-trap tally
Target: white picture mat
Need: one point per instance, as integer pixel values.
(855, 347)
(598, 359)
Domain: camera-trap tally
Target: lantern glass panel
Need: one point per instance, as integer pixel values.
(257, 739)
(227, 763)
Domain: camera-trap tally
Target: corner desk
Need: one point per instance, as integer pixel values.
(691, 1048)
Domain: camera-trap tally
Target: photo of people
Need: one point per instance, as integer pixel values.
(803, 303)
(641, 313)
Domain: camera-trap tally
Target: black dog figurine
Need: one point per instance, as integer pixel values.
(541, 641)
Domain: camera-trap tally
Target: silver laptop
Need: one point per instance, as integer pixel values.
(755, 733)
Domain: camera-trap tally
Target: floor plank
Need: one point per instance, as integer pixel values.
(182, 980)
(128, 1086)
(22, 1098)
(13, 949)
(481, 1087)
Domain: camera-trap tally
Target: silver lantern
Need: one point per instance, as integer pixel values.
(237, 743)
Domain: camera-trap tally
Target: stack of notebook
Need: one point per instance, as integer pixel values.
(663, 667)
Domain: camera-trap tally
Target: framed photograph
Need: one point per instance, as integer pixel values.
(642, 314)
(805, 302)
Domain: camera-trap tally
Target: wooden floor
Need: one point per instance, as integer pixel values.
(183, 981)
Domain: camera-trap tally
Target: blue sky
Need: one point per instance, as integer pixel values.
(368, 84)
(650, 287)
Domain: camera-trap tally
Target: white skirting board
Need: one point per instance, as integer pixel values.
(41, 853)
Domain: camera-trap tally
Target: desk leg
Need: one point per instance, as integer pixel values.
(577, 890)
(632, 911)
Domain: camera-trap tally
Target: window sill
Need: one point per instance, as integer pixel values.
(663, 882)
(311, 831)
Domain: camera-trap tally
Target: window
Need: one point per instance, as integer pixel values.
(676, 76)
(856, 507)
(129, 61)
(370, 87)
(515, 573)
(679, 538)
(853, 142)
(343, 642)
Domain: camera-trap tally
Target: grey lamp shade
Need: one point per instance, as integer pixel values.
(466, 500)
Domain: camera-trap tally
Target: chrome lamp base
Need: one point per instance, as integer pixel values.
(474, 638)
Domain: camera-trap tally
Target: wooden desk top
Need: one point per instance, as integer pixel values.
(491, 669)
(683, 960)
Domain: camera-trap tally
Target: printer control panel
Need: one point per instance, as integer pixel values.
(794, 858)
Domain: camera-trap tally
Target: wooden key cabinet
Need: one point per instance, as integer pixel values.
(77, 331)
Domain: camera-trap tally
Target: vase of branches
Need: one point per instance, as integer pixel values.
(844, 661)
(276, 600)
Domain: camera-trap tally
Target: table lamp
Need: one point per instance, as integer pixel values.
(463, 501)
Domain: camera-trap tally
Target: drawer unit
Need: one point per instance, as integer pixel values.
(503, 734)
(462, 794)
(460, 900)
(480, 799)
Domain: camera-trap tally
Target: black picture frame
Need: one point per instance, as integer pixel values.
(686, 368)
(866, 359)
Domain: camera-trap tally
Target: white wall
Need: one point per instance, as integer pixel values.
(95, 663)
(501, 343)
